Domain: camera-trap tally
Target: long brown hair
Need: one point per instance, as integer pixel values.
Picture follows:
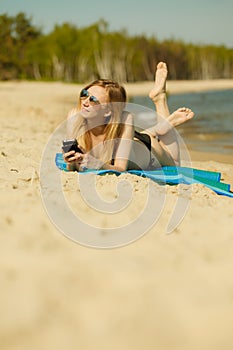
(114, 127)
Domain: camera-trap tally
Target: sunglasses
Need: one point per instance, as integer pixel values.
(84, 94)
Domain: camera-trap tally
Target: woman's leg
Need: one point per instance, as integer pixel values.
(164, 128)
(165, 146)
(158, 93)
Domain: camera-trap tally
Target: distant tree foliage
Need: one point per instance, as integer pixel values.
(73, 54)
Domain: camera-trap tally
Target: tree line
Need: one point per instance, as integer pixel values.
(72, 54)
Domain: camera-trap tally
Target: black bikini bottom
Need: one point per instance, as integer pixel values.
(144, 138)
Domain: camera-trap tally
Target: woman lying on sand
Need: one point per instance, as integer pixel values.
(105, 131)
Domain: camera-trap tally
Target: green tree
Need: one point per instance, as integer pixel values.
(7, 52)
(70, 53)
(24, 33)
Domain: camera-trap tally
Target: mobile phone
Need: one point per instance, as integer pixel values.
(71, 145)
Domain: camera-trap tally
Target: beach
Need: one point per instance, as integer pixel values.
(162, 291)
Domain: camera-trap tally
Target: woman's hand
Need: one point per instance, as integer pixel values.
(81, 161)
(72, 156)
(73, 160)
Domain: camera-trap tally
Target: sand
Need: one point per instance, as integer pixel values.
(163, 291)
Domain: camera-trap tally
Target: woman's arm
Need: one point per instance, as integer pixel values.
(71, 158)
(124, 148)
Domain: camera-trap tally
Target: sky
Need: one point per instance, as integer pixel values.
(196, 21)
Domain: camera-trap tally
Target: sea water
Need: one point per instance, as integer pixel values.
(211, 129)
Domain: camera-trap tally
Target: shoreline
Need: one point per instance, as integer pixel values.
(204, 156)
(181, 86)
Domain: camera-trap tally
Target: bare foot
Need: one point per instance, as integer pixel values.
(159, 89)
(180, 116)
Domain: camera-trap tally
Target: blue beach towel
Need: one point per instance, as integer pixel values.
(168, 175)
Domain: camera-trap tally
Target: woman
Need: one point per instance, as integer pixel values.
(106, 135)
